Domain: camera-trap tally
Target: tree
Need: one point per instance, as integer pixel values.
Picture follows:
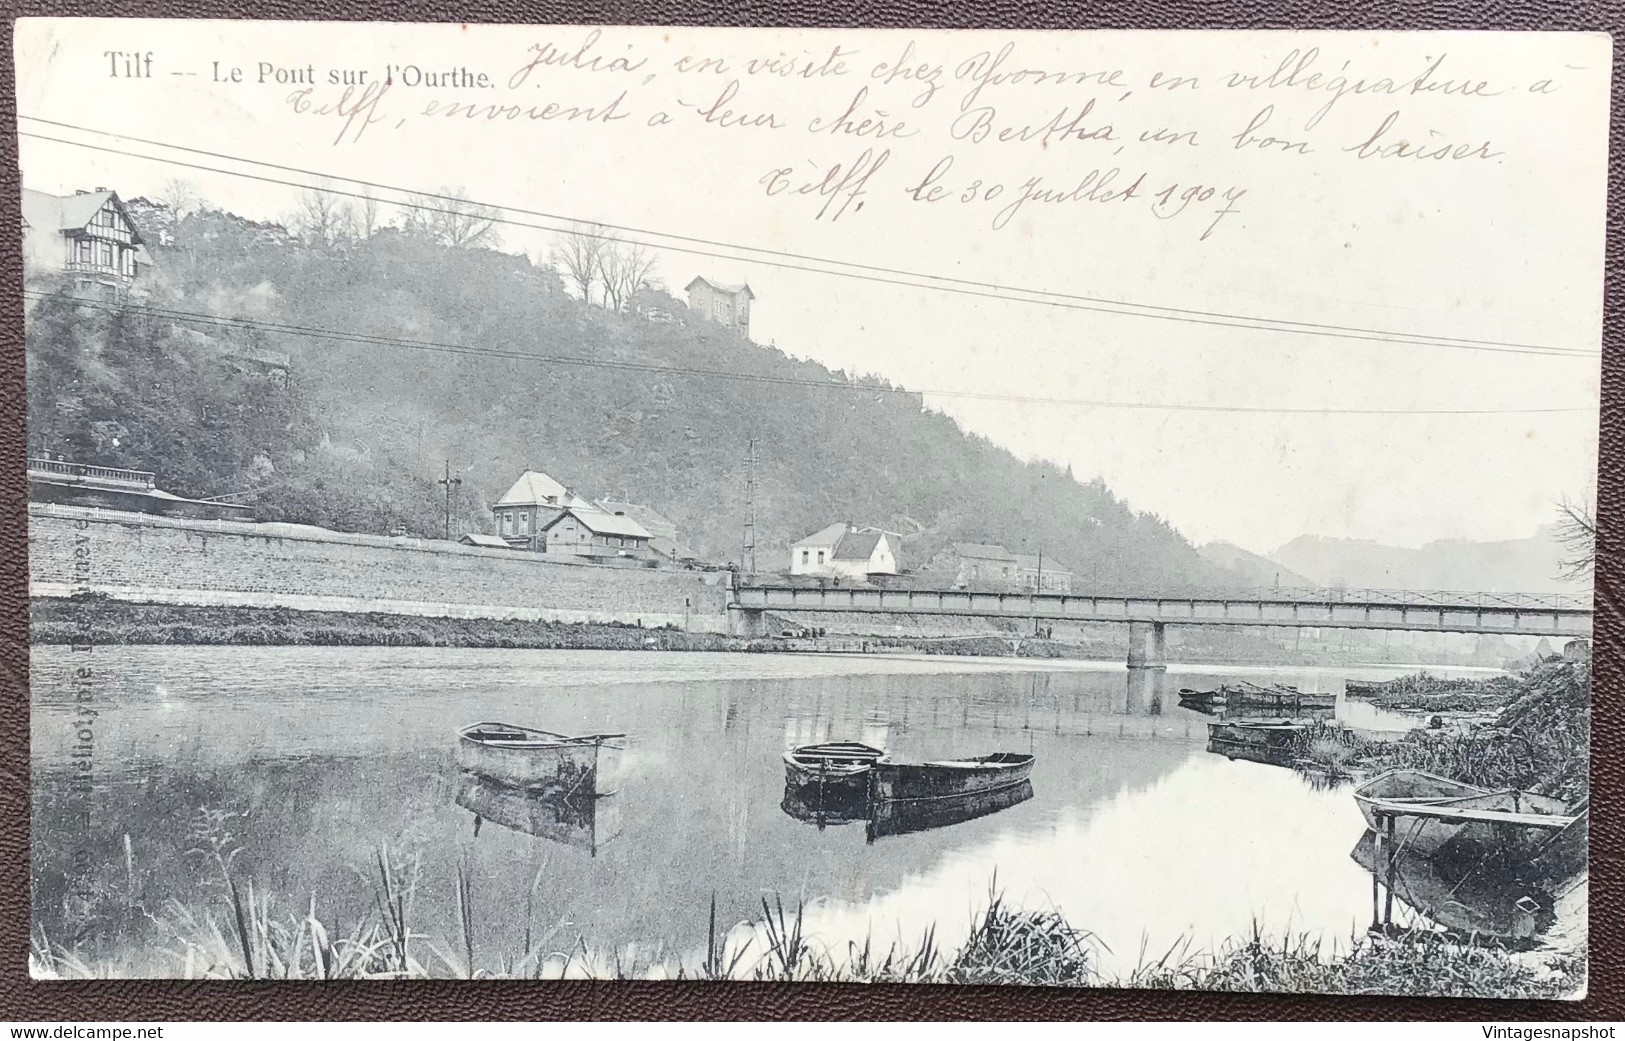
(580, 253)
(365, 216)
(453, 219)
(1577, 534)
(321, 218)
(180, 197)
(625, 267)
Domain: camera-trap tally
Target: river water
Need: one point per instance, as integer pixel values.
(306, 761)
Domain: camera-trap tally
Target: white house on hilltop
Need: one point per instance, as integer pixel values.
(842, 550)
(722, 303)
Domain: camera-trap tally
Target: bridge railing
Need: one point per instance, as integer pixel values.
(1578, 601)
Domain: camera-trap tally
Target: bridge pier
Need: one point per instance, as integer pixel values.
(1147, 645)
(747, 623)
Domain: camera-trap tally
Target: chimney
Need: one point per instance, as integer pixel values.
(100, 188)
(80, 191)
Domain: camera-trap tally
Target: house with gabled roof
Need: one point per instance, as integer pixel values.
(721, 302)
(1040, 574)
(87, 236)
(846, 551)
(527, 508)
(583, 530)
(977, 564)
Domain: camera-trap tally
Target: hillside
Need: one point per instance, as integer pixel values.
(362, 433)
(1250, 569)
(1528, 565)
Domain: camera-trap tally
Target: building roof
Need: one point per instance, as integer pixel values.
(475, 538)
(722, 287)
(600, 523)
(658, 526)
(823, 538)
(63, 212)
(535, 488)
(983, 551)
(858, 545)
(670, 548)
(1031, 562)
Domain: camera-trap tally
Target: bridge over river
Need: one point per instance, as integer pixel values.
(1147, 616)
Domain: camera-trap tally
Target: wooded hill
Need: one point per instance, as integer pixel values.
(622, 404)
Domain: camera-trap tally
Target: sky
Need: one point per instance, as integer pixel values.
(1500, 241)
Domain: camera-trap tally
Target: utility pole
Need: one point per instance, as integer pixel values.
(1038, 583)
(749, 557)
(450, 482)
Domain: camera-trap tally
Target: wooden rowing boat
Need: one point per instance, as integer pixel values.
(906, 816)
(524, 757)
(845, 763)
(949, 779)
(1426, 813)
(1252, 695)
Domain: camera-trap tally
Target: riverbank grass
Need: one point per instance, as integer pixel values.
(243, 933)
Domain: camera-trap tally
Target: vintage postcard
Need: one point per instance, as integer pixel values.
(1075, 509)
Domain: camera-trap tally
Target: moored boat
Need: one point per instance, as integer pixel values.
(1187, 696)
(949, 778)
(524, 757)
(1252, 695)
(832, 762)
(1427, 812)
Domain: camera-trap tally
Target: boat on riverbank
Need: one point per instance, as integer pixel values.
(1424, 813)
(949, 778)
(1246, 695)
(524, 757)
(843, 764)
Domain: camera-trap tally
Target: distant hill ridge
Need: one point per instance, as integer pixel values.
(1529, 565)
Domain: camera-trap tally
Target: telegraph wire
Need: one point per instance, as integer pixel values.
(467, 350)
(794, 261)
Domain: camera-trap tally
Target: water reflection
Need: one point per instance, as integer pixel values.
(324, 754)
(583, 822)
(1478, 903)
(908, 816)
(835, 805)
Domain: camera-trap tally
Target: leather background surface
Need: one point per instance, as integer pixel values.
(24, 999)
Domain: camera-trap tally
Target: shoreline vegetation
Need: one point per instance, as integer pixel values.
(120, 622)
(232, 929)
(1531, 732)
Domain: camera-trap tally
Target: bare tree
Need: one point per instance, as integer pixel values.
(321, 218)
(180, 197)
(1577, 534)
(453, 219)
(580, 253)
(365, 216)
(625, 268)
